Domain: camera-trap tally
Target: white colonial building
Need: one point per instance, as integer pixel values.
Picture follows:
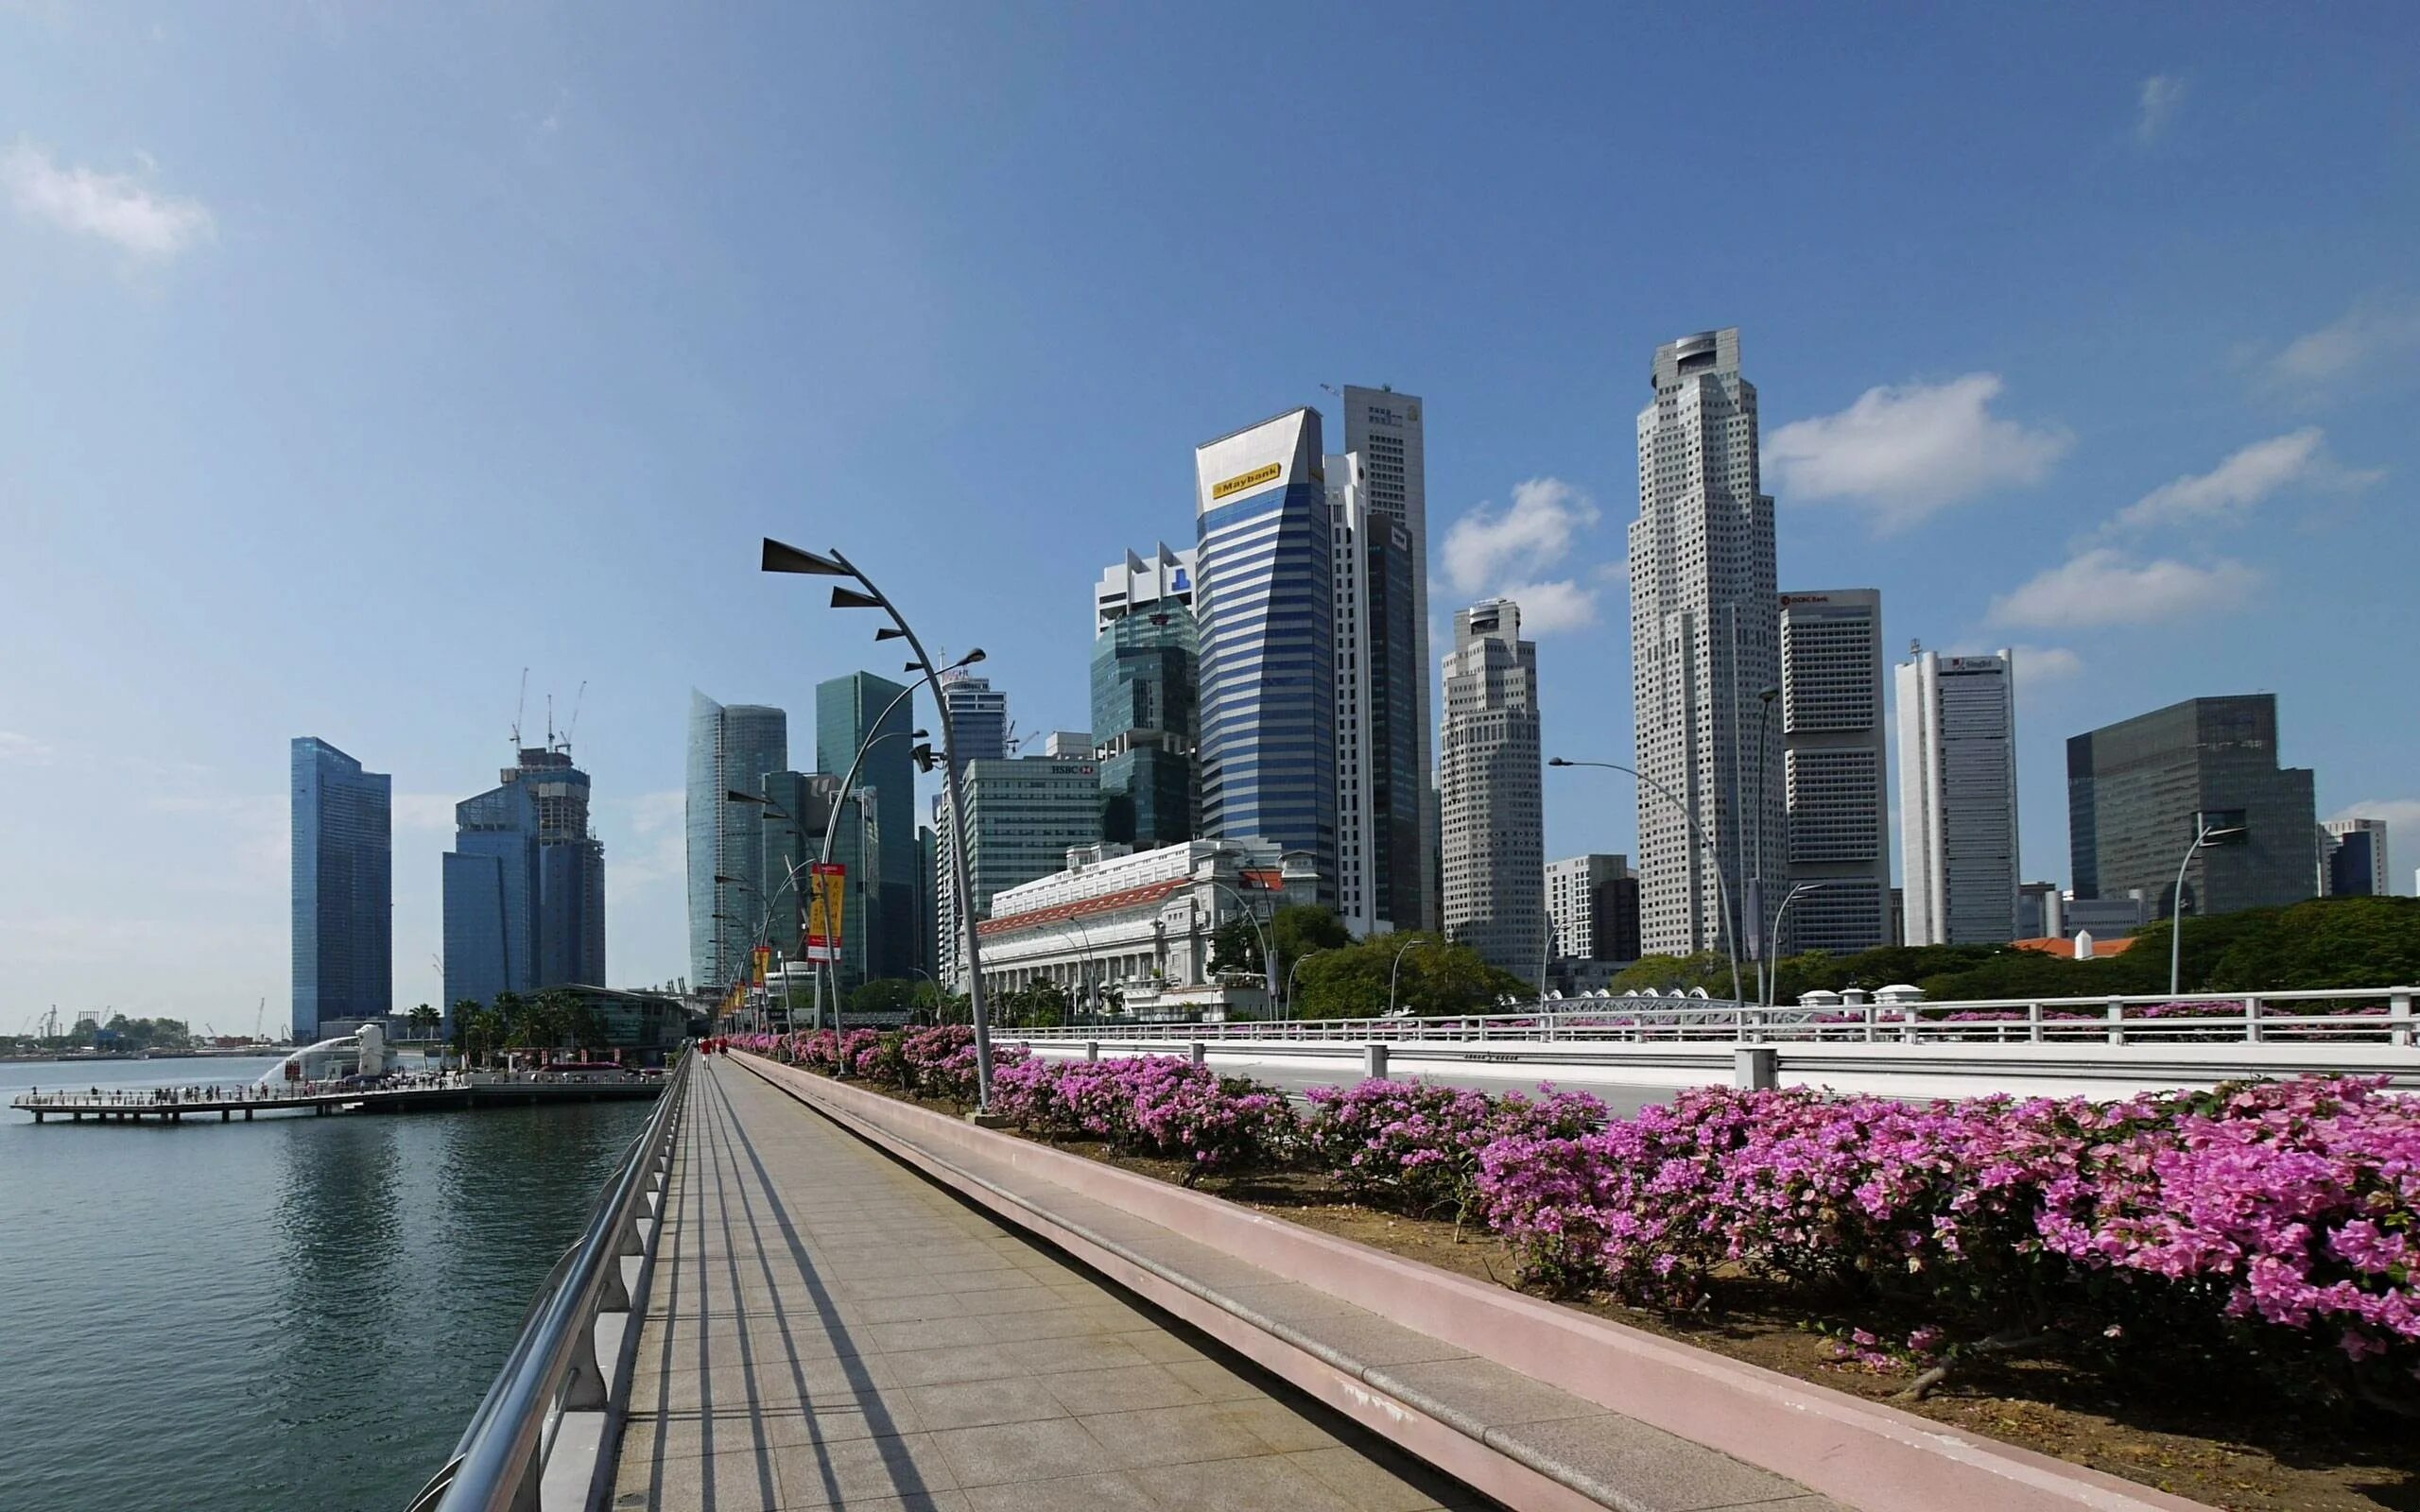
(1133, 931)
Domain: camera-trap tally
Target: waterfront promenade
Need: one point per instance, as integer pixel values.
(417, 1093)
(826, 1328)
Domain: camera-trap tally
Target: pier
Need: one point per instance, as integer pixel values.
(175, 1105)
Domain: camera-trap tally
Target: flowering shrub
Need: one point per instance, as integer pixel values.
(1415, 1146)
(1151, 1105)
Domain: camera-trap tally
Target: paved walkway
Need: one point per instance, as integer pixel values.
(826, 1328)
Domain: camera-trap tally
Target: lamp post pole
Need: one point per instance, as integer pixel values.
(2203, 834)
(781, 558)
(1290, 978)
(1268, 952)
(1396, 966)
(1730, 919)
(1769, 986)
(1765, 945)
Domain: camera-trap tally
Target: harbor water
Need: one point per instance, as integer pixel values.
(297, 1311)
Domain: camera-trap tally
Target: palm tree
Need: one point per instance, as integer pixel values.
(424, 1018)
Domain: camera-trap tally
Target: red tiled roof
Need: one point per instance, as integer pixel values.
(2056, 945)
(1108, 902)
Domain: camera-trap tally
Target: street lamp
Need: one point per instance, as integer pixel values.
(1268, 952)
(1396, 966)
(1290, 976)
(781, 559)
(1770, 988)
(2203, 833)
(1762, 945)
(1730, 920)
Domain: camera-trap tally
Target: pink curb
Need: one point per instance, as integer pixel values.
(1861, 1454)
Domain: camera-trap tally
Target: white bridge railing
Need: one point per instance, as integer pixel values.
(2371, 1015)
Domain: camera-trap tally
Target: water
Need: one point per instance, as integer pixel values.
(299, 1311)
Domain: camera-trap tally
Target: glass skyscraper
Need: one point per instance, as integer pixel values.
(1266, 616)
(343, 889)
(1146, 691)
(848, 715)
(730, 748)
(524, 885)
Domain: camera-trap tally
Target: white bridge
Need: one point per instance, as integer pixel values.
(2100, 1047)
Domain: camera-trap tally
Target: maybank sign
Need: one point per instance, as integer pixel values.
(1242, 481)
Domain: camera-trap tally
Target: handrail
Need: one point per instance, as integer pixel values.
(553, 1368)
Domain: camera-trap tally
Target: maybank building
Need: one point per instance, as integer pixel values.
(1265, 608)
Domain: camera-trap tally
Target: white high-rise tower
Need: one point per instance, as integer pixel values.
(1957, 797)
(1495, 828)
(1705, 648)
(1833, 754)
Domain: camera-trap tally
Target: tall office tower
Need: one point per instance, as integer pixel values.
(1585, 908)
(1495, 825)
(2136, 789)
(524, 885)
(941, 880)
(795, 824)
(1147, 674)
(1384, 429)
(730, 749)
(978, 717)
(1835, 773)
(849, 715)
(1703, 646)
(1957, 797)
(929, 899)
(2352, 858)
(1264, 603)
(343, 887)
(1023, 815)
(1381, 788)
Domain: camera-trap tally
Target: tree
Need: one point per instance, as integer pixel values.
(1035, 1005)
(1293, 932)
(424, 1018)
(884, 994)
(1435, 977)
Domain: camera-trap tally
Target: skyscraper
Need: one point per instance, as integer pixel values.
(1266, 612)
(1492, 786)
(846, 715)
(2353, 858)
(2137, 790)
(978, 717)
(1834, 770)
(1957, 797)
(1704, 645)
(1382, 788)
(343, 887)
(524, 885)
(1385, 429)
(1023, 815)
(730, 749)
(793, 829)
(1592, 907)
(1146, 684)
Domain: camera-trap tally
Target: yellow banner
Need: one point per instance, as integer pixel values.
(1247, 480)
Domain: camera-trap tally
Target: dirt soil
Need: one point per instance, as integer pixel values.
(2248, 1452)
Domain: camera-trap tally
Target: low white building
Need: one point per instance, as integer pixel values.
(1133, 931)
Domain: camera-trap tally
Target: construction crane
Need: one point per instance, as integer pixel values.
(519, 703)
(576, 699)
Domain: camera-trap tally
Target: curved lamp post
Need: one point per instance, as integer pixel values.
(2203, 834)
(1268, 952)
(1770, 987)
(1396, 966)
(1294, 967)
(781, 559)
(1730, 919)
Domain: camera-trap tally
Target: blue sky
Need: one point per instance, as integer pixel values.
(353, 358)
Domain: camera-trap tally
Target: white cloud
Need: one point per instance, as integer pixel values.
(17, 747)
(2377, 328)
(1904, 454)
(2105, 587)
(2230, 491)
(1507, 555)
(2402, 815)
(114, 207)
(1547, 609)
(2161, 97)
(658, 847)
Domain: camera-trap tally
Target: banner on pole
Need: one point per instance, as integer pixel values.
(764, 962)
(823, 912)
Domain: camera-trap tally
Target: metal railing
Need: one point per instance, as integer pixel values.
(2335, 1014)
(554, 1368)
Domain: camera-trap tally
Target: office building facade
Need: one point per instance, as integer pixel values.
(1958, 836)
(1703, 645)
(2135, 790)
(1493, 789)
(524, 885)
(342, 894)
(1023, 815)
(1836, 896)
(1387, 430)
(1591, 908)
(1265, 607)
(1382, 788)
(862, 711)
(2353, 858)
(794, 827)
(1145, 692)
(731, 749)
(978, 717)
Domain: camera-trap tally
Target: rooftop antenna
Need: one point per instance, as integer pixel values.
(550, 721)
(519, 701)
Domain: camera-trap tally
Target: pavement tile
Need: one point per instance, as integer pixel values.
(1214, 1380)
(676, 1435)
(1237, 1486)
(982, 1403)
(1173, 1436)
(1081, 1493)
(1384, 1482)
(1050, 1449)
(1051, 1323)
(1119, 1388)
(853, 1472)
(957, 1362)
(699, 1484)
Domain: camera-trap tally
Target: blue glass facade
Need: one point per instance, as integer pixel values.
(1265, 603)
(525, 885)
(846, 712)
(343, 887)
(730, 748)
(1146, 678)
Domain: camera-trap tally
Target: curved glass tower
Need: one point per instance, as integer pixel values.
(729, 748)
(1265, 608)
